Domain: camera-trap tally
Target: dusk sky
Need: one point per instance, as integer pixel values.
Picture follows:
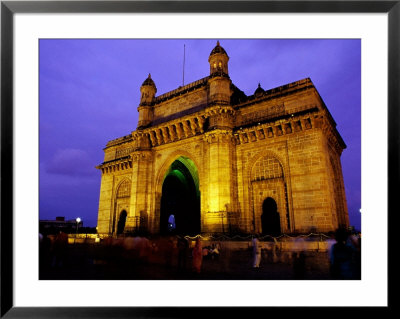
(90, 90)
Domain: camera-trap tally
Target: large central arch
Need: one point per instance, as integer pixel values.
(181, 198)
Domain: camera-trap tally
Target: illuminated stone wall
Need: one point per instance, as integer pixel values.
(281, 143)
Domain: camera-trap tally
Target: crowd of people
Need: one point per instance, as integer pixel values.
(53, 250)
(344, 253)
(187, 254)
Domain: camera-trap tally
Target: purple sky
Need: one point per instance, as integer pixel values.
(89, 93)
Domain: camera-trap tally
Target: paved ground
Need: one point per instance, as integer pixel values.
(88, 262)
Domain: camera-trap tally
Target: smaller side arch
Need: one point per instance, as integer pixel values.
(121, 222)
(267, 178)
(122, 193)
(270, 220)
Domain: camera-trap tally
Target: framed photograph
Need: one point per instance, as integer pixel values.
(181, 128)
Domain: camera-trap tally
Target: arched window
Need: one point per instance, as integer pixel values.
(267, 168)
(124, 189)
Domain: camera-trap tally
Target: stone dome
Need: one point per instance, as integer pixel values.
(149, 81)
(259, 91)
(218, 49)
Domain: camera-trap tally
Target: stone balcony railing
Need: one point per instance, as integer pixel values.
(287, 125)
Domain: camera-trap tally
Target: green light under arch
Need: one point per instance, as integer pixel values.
(177, 170)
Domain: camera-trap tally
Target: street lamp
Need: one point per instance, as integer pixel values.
(78, 220)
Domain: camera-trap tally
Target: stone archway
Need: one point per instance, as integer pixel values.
(270, 219)
(269, 196)
(180, 197)
(121, 205)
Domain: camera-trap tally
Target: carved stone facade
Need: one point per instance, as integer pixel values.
(265, 163)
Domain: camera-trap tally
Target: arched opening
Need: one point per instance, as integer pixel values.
(180, 198)
(121, 222)
(122, 200)
(270, 221)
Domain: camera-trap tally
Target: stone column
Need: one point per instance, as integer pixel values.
(105, 204)
(220, 181)
(141, 181)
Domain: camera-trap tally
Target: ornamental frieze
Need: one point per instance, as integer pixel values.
(218, 136)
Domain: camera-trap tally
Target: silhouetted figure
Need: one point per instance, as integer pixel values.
(299, 258)
(169, 251)
(44, 251)
(214, 251)
(183, 247)
(226, 253)
(197, 255)
(60, 249)
(256, 252)
(206, 252)
(354, 242)
(299, 265)
(342, 257)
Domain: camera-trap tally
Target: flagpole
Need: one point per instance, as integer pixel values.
(183, 78)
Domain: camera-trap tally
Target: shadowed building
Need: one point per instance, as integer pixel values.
(59, 224)
(208, 158)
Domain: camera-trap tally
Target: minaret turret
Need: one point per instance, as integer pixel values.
(219, 81)
(148, 91)
(259, 91)
(218, 60)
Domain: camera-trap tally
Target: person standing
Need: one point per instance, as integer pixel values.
(60, 249)
(256, 252)
(341, 257)
(197, 255)
(183, 246)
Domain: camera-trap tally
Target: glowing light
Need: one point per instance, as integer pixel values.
(175, 169)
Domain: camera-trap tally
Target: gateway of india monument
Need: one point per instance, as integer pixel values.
(207, 158)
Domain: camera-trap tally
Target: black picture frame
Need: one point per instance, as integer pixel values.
(9, 8)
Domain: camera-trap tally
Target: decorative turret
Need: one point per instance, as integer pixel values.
(148, 91)
(218, 60)
(219, 81)
(259, 91)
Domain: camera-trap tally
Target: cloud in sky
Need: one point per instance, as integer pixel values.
(71, 162)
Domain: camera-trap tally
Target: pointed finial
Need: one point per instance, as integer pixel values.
(218, 43)
(149, 76)
(259, 85)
